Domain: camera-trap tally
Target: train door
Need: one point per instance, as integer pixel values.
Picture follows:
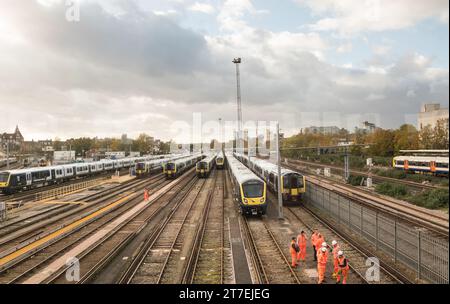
(28, 179)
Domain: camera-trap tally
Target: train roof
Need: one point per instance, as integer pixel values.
(220, 154)
(270, 167)
(209, 158)
(185, 159)
(423, 158)
(240, 171)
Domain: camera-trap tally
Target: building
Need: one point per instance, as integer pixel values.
(329, 130)
(13, 139)
(430, 114)
(366, 128)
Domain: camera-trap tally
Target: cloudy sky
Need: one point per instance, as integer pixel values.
(141, 65)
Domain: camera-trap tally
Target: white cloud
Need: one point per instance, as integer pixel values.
(381, 50)
(202, 8)
(354, 16)
(345, 48)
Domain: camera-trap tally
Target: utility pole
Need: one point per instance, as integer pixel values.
(346, 165)
(280, 197)
(7, 155)
(237, 61)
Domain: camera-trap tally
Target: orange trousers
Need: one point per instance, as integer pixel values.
(294, 258)
(343, 273)
(336, 266)
(321, 268)
(301, 256)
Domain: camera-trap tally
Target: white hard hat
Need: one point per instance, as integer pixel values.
(340, 252)
(324, 244)
(333, 243)
(324, 249)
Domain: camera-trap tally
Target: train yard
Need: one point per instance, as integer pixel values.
(199, 223)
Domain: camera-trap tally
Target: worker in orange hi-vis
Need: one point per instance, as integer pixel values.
(336, 250)
(313, 243)
(343, 268)
(146, 195)
(301, 241)
(319, 240)
(322, 258)
(293, 249)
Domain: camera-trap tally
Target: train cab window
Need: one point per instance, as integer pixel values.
(4, 177)
(400, 163)
(170, 166)
(442, 165)
(253, 189)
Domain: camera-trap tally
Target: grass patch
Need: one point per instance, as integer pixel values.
(432, 199)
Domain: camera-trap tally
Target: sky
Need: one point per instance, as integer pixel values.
(107, 67)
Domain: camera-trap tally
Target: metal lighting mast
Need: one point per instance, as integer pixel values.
(237, 61)
(280, 197)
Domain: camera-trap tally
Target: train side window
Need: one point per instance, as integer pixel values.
(400, 163)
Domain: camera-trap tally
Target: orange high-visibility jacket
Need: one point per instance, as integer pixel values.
(322, 258)
(335, 251)
(301, 241)
(343, 263)
(313, 239)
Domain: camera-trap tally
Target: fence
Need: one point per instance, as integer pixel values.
(423, 253)
(2, 211)
(60, 191)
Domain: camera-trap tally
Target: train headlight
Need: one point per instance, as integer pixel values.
(245, 200)
(262, 200)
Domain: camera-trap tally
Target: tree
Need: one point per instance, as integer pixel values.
(406, 138)
(441, 135)
(426, 137)
(144, 143)
(382, 142)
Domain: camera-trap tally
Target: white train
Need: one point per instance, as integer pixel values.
(248, 189)
(436, 165)
(24, 179)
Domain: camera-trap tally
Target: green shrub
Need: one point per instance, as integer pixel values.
(433, 199)
(397, 191)
(355, 180)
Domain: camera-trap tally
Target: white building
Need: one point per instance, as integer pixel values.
(430, 114)
(328, 130)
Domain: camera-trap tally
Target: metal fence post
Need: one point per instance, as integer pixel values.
(376, 231)
(395, 240)
(419, 254)
(361, 221)
(339, 209)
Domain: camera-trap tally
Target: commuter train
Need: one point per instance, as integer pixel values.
(174, 168)
(248, 189)
(435, 165)
(293, 184)
(13, 181)
(4, 161)
(145, 168)
(205, 166)
(220, 160)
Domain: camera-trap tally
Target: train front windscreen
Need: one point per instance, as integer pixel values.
(292, 181)
(140, 166)
(170, 166)
(253, 189)
(4, 177)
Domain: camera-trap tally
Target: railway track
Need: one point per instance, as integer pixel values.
(46, 223)
(357, 258)
(270, 264)
(22, 266)
(206, 262)
(374, 176)
(422, 217)
(164, 247)
(51, 214)
(94, 260)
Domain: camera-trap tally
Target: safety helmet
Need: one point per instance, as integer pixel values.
(333, 243)
(323, 249)
(324, 244)
(340, 253)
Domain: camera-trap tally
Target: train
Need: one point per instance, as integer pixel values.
(174, 168)
(434, 165)
(205, 166)
(248, 189)
(13, 181)
(4, 161)
(145, 168)
(220, 160)
(293, 184)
